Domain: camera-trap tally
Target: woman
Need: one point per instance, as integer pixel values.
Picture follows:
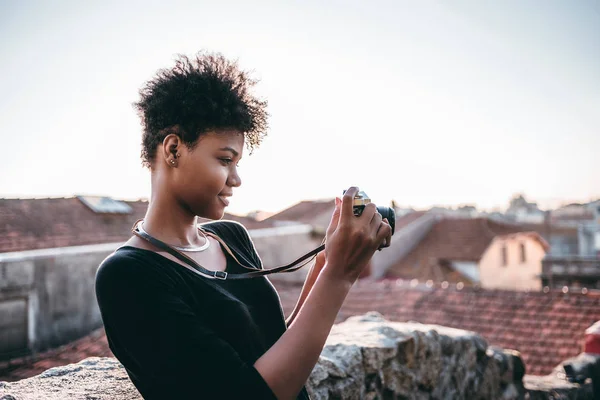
(181, 335)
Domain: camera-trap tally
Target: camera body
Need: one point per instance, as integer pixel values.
(361, 200)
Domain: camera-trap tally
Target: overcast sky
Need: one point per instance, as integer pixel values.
(426, 102)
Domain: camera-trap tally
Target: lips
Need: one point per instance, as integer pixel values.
(224, 200)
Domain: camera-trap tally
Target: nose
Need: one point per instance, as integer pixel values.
(234, 179)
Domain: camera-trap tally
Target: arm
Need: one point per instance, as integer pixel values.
(315, 270)
(311, 278)
(288, 363)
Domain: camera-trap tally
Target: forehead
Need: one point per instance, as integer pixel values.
(223, 139)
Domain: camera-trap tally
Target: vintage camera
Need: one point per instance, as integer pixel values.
(361, 200)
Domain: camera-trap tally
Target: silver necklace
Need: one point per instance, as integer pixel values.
(189, 249)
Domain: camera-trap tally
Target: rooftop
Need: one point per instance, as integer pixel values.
(546, 327)
(304, 211)
(29, 224)
(451, 238)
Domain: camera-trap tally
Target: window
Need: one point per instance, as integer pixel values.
(105, 205)
(523, 253)
(504, 255)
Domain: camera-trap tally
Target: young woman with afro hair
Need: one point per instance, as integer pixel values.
(181, 334)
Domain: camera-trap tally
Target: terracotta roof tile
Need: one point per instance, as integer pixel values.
(545, 327)
(528, 322)
(304, 211)
(29, 224)
(456, 239)
(92, 345)
(404, 220)
(311, 211)
(249, 223)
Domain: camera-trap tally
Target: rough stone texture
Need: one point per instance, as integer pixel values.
(365, 357)
(368, 357)
(91, 379)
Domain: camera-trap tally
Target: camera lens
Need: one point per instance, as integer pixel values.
(390, 214)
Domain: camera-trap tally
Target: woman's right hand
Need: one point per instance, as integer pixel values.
(355, 239)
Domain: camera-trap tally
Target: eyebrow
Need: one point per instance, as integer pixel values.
(235, 153)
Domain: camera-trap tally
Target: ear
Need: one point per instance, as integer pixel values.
(170, 149)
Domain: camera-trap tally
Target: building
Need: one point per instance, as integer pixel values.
(474, 251)
(522, 211)
(513, 261)
(544, 325)
(574, 262)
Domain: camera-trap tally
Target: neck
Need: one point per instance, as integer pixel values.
(169, 222)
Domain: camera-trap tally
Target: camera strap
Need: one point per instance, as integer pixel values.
(222, 275)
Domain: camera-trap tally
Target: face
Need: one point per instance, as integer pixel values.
(204, 177)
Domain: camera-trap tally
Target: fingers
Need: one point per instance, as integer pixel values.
(337, 210)
(335, 217)
(388, 240)
(375, 219)
(380, 229)
(384, 234)
(348, 202)
(369, 211)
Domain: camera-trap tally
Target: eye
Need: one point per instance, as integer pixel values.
(228, 161)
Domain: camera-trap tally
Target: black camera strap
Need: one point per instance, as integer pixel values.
(197, 268)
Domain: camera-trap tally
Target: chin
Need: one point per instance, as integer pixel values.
(211, 217)
(211, 214)
(216, 213)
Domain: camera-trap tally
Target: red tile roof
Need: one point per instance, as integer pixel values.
(29, 224)
(92, 345)
(406, 219)
(249, 223)
(304, 212)
(313, 211)
(455, 239)
(545, 327)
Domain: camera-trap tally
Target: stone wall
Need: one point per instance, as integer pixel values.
(365, 357)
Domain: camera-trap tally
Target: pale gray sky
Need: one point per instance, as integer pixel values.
(427, 102)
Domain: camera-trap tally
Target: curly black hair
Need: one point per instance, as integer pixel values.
(206, 93)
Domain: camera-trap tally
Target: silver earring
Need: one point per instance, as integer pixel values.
(173, 162)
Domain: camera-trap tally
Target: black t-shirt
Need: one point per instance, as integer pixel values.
(183, 336)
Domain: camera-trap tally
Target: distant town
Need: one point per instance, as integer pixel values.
(531, 269)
